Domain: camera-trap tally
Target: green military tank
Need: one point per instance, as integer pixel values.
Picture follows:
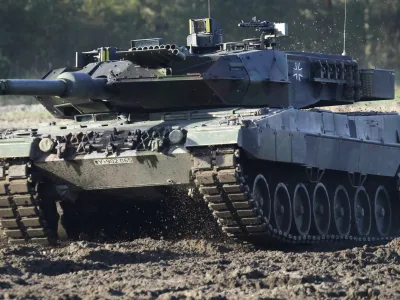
(234, 123)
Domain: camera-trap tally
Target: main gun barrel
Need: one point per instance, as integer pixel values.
(67, 85)
(34, 87)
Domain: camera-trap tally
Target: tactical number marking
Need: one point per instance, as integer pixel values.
(113, 161)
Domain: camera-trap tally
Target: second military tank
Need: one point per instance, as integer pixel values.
(235, 123)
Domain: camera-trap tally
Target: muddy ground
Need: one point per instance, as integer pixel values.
(176, 251)
(199, 264)
(197, 269)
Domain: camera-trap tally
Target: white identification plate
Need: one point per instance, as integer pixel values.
(113, 161)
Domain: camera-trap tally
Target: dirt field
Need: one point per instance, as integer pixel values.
(198, 267)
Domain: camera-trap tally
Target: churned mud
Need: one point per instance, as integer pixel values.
(190, 268)
(180, 253)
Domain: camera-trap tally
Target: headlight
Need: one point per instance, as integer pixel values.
(46, 145)
(175, 136)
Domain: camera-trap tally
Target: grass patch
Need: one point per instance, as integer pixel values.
(17, 116)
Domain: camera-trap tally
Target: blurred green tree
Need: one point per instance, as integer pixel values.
(40, 34)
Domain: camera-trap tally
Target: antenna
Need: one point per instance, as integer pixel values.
(209, 8)
(344, 30)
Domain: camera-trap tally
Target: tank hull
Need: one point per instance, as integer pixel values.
(127, 170)
(263, 172)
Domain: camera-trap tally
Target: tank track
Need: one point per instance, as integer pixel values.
(20, 215)
(229, 198)
(218, 176)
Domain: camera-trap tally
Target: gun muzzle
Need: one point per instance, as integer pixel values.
(78, 85)
(27, 87)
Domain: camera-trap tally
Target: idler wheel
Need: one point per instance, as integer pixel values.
(282, 208)
(262, 196)
(362, 212)
(342, 211)
(383, 211)
(302, 209)
(321, 209)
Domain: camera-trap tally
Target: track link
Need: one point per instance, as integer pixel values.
(220, 182)
(218, 176)
(20, 215)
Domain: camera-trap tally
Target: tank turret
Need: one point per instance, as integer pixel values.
(206, 73)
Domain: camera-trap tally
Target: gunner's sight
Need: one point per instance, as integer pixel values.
(204, 35)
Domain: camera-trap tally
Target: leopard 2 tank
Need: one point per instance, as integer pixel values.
(234, 123)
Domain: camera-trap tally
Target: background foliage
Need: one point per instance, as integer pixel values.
(36, 35)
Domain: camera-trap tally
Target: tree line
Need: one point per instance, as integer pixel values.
(36, 35)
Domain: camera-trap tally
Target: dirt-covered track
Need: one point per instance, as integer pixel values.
(159, 269)
(249, 208)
